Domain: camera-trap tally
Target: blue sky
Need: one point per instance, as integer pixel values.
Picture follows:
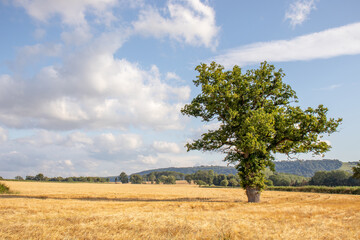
(95, 87)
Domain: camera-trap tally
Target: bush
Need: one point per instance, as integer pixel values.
(269, 183)
(233, 182)
(169, 180)
(4, 188)
(333, 178)
(136, 179)
(19, 178)
(200, 182)
(224, 183)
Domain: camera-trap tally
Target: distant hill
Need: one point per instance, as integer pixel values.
(190, 170)
(305, 168)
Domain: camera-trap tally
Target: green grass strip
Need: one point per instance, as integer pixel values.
(318, 189)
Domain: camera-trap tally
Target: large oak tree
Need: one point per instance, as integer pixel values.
(258, 118)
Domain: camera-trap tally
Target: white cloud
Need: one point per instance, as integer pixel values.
(3, 135)
(332, 87)
(149, 160)
(166, 147)
(91, 89)
(28, 55)
(78, 140)
(110, 143)
(68, 163)
(41, 138)
(172, 75)
(299, 11)
(70, 12)
(192, 22)
(91, 154)
(39, 33)
(77, 36)
(330, 43)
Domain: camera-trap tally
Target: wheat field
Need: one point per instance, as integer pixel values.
(42, 210)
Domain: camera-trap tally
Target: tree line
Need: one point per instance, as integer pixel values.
(166, 177)
(41, 177)
(210, 178)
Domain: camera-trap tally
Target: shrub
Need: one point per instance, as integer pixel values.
(4, 188)
(233, 182)
(170, 180)
(200, 182)
(269, 183)
(136, 179)
(224, 183)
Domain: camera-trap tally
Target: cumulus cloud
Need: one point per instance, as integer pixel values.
(41, 138)
(172, 75)
(89, 154)
(166, 147)
(70, 12)
(149, 160)
(299, 11)
(28, 55)
(330, 43)
(192, 22)
(39, 33)
(92, 89)
(110, 143)
(77, 36)
(3, 135)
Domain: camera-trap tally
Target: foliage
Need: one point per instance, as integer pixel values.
(123, 177)
(219, 178)
(41, 177)
(19, 178)
(200, 182)
(285, 179)
(152, 178)
(356, 171)
(1, 178)
(224, 183)
(158, 174)
(188, 178)
(318, 189)
(307, 168)
(192, 170)
(256, 119)
(168, 179)
(233, 182)
(333, 178)
(269, 183)
(205, 176)
(4, 188)
(136, 179)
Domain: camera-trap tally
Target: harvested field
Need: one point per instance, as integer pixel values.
(116, 211)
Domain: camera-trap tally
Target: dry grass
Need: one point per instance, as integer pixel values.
(116, 211)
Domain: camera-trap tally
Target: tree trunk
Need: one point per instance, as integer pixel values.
(253, 194)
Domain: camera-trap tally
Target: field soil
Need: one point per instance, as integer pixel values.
(42, 210)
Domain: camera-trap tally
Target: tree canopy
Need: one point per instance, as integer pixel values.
(356, 171)
(258, 118)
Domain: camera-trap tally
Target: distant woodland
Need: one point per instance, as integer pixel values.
(288, 173)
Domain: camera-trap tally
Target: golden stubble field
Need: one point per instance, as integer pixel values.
(116, 211)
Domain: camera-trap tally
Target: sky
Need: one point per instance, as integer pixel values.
(95, 87)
